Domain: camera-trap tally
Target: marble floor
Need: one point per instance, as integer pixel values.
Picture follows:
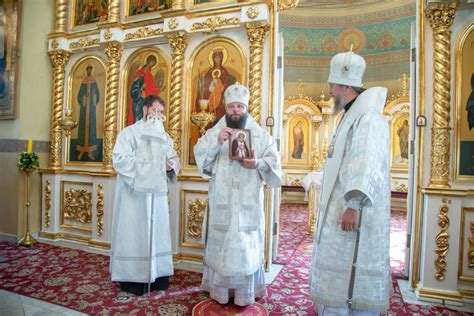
(12, 304)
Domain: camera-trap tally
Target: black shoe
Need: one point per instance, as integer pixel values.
(124, 286)
(134, 287)
(161, 283)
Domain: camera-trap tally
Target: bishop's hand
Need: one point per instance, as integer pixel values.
(250, 163)
(224, 135)
(350, 220)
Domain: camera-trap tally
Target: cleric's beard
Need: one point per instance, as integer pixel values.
(239, 123)
(339, 104)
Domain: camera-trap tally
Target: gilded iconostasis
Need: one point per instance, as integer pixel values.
(107, 57)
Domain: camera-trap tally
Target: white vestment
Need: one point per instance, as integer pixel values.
(139, 157)
(359, 164)
(235, 238)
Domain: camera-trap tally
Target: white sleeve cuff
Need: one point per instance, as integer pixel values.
(355, 199)
(262, 165)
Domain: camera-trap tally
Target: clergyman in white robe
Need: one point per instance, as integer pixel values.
(234, 253)
(356, 182)
(140, 156)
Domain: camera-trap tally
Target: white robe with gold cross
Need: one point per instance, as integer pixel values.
(235, 241)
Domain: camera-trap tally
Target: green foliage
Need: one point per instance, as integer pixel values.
(28, 161)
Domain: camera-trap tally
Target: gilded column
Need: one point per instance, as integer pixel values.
(113, 50)
(114, 11)
(59, 59)
(324, 152)
(61, 16)
(178, 42)
(177, 5)
(316, 158)
(256, 33)
(441, 17)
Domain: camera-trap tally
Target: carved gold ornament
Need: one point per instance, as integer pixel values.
(143, 32)
(173, 23)
(402, 188)
(107, 34)
(441, 17)
(196, 212)
(54, 44)
(470, 253)
(84, 42)
(442, 243)
(178, 42)
(59, 59)
(100, 210)
(296, 183)
(253, 12)
(256, 33)
(287, 4)
(297, 110)
(322, 103)
(114, 51)
(47, 204)
(212, 23)
(78, 205)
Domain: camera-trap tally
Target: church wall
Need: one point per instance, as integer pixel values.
(34, 90)
(35, 71)
(8, 193)
(33, 118)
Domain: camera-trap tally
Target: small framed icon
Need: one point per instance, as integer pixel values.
(420, 120)
(270, 121)
(240, 144)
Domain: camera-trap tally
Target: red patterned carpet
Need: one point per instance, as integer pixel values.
(292, 230)
(293, 219)
(81, 281)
